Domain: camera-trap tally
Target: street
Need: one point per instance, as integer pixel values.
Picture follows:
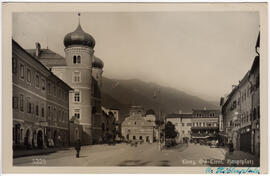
(126, 155)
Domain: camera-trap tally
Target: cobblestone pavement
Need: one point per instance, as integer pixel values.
(125, 155)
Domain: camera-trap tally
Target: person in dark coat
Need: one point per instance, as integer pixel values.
(230, 146)
(78, 148)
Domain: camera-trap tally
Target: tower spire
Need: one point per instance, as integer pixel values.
(79, 14)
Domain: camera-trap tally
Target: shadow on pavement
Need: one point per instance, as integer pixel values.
(133, 163)
(164, 163)
(140, 163)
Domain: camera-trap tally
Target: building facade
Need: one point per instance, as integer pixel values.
(241, 111)
(40, 103)
(205, 123)
(200, 124)
(183, 124)
(137, 127)
(82, 71)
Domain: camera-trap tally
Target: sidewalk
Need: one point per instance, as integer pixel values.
(31, 152)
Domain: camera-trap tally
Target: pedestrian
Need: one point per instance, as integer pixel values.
(78, 148)
(230, 146)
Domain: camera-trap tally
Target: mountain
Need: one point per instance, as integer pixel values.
(122, 94)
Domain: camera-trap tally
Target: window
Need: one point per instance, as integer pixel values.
(77, 97)
(54, 115)
(21, 103)
(37, 110)
(54, 90)
(140, 137)
(28, 105)
(49, 112)
(21, 134)
(94, 110)
(22, 71)
(134, 137)
(49, 88)
(59, 115)
(42, 111)
(76, 77)
(14, 65)
(28, 74)
(183, 124)
(76, 59)
(37, 81)
(77, 113)
(63, 114)
(15, 102)
(43, 84)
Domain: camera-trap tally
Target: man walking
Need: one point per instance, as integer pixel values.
(78, 148)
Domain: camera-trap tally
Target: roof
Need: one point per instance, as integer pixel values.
(48, 57)
(255, 64)
(187, 115)
(204, 128)
(36, 60)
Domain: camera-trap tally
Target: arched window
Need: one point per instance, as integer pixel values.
(76, 59)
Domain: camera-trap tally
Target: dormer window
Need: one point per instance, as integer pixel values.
(76, 59)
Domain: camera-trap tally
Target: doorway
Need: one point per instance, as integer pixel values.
(40, 139)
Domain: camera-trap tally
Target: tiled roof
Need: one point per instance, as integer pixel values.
(48, 57)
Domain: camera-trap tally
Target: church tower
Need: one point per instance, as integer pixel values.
(79, 50)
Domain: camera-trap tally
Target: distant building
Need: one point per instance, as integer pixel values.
(108, 125)
(241, 111)
(137, 126)
(182, 123)
(200, 124)
(40, 103)
(205, 123)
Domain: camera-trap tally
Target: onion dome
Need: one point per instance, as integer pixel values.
(97, 62)
(79, 37)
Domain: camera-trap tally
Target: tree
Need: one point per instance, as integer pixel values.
(170, 132)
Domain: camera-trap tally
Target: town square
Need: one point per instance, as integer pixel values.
(140, 89)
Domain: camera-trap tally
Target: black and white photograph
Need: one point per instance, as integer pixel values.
(137, 88)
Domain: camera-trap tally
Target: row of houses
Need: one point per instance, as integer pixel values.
(241, 110)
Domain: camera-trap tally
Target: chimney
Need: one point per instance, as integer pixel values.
(37, 49)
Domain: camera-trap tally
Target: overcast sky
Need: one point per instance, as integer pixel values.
(201, 53)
